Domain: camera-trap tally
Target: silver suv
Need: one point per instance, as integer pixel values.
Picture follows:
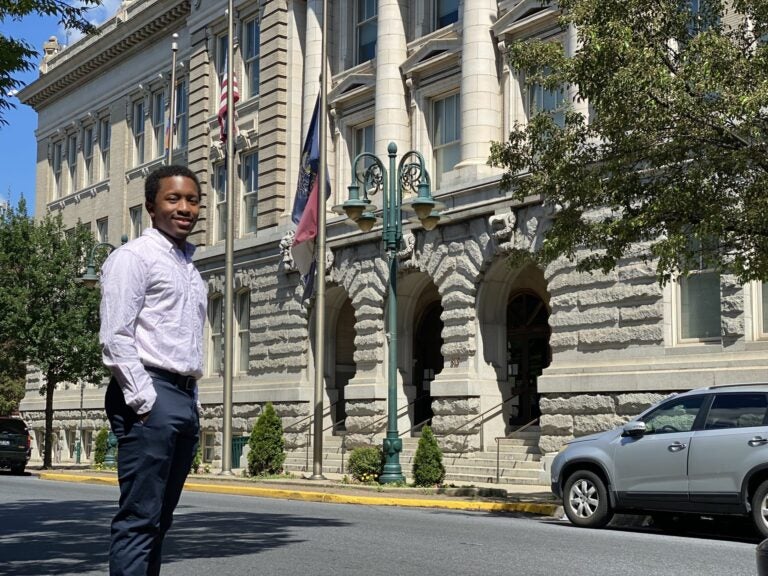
(699, 452)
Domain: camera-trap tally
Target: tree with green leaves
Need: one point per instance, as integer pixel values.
(16, 55)
(266, 444)
(428, 468)
(50, 319)
(668, 162)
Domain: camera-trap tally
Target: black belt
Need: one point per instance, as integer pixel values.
(178, 380)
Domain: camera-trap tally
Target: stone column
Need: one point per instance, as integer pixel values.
(312, 62)
(480, 89)
(391, 111)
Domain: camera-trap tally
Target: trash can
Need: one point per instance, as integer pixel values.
(762, 558)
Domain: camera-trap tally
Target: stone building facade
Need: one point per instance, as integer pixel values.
(484, 346)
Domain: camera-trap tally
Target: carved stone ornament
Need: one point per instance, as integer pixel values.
(286, 242)
(329, 257)
(407, 255)
(503, 226)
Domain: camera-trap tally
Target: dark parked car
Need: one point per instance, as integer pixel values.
(703, 452)
(15, 444)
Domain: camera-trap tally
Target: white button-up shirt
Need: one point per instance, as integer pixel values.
(153, 306)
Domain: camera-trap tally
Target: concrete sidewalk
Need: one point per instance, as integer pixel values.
(534, 500)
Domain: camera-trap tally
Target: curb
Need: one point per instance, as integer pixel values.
(535, 508)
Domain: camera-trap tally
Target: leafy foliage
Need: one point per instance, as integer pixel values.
(100, 447)
(49, 319)
(366, 463)
(267, 445)
(672, 145)
(197, 461)
(16, 55)
(428, 469)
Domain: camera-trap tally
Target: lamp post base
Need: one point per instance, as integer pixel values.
(392, 471)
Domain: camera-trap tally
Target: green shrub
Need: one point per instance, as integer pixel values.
(428, 469)
(197, 460)
(266, 455)
(366, 463)
(100, 447)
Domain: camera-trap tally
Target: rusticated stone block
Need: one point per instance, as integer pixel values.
(556, 424)
(456, 405)
(580, 404)
(632, 404)
(552, 443)
(455, 424)
(366, 407)
(593, 423)
(460, 443)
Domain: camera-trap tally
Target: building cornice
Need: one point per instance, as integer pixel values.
(117, 39)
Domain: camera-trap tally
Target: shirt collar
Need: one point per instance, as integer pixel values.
(165, 242)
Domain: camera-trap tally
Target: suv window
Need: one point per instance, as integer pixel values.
(676, 415)
(737, 411)
(12, 426)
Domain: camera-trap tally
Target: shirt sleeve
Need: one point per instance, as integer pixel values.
(123, 285)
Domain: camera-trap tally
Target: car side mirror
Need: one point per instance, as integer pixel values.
(634, 428)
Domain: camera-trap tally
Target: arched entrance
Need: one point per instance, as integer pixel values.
(528, 353)
(427, 361)
(345, 363)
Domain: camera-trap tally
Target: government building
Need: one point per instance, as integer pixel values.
(484, 348)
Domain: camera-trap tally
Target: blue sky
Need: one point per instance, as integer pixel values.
(17, 139)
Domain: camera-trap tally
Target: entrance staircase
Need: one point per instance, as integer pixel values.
(517, 460)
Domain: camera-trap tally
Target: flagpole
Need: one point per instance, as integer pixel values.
(226, 449)
(317, 460)
(172, 101)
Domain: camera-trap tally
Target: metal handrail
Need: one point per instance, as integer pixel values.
(400, 412)
(412, 428)
(309, 431)
(510, 435)
(500, 404)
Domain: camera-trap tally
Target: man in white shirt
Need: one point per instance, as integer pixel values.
(153, 310)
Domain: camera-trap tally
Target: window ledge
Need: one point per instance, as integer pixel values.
(77, 197)
(143, 170)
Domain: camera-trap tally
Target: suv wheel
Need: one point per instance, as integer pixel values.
(586, 500)
(760, 508)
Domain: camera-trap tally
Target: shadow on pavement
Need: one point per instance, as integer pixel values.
(53, 538)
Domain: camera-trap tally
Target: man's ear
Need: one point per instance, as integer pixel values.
(150, 206)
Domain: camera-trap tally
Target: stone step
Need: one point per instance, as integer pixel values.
(491, 471)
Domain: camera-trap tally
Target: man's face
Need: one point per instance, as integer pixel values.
(176, 208)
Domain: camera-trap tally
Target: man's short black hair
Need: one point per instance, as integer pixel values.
(152, 183)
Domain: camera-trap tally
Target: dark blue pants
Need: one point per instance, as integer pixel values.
(153, 461)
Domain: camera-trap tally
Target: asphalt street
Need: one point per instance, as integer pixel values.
(50, 528)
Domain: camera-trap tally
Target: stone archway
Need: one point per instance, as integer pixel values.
(427, 361)
(345, 367)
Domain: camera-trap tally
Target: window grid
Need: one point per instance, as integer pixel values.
(88, 155)
(158, 122)
(209, 439)
(446, 135)
(102, 230)
(72, 163)
(250, 169)
(220, 186)
(182, 114)
(104, 142)
(366, 30)
(698, 299)
(135, 215)
(215, 319)
(221, 62)
(446, 12)
(57, 161)
(138, 132)
(251, 56)
(243, 329)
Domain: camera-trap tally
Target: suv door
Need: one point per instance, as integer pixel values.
(734, 439)
(652, 470)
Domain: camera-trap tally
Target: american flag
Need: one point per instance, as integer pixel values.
(223, 103)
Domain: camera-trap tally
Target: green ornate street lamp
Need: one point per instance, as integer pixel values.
(410, 175)
(91, 280)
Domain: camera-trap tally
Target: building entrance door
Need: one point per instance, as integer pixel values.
(528, 353)
(428, 361)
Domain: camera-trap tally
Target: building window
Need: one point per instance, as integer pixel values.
(446, 135)
(72, 163)
(251, 57)
(88, 155)
(221, 61)
(366, 30)
(209, 441)
(182, 114)
(243, 314)
(56, 162)
(446, 12)
(104, 140)
(138, 132)
(85, 442)
(250, 169)
(102, 230)
(699, 301)
(135, 215)
(216, 331)
(220, 187)
(762, 310)
(158, 122)
(542, 100)
(364, 142)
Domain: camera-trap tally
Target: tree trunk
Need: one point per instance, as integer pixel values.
(50, 387)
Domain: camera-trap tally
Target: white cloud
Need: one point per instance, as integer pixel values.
(12, 93)
(96, 16)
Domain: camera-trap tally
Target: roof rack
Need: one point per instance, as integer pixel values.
(731, 385)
